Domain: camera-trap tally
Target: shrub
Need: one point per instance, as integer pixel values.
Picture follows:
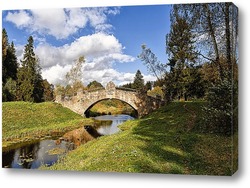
(221, 111)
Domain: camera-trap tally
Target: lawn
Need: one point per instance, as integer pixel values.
(24, 121)
(170, 140)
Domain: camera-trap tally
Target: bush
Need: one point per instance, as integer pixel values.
(221, 112)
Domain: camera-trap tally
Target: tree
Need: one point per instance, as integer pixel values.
(29, 79)
(9, 59)
(128, 85)
(5, 44)
(48, 91)
(221, 112)
(75, 73)
(9, 69)
(9, 90)
(150, 60)
(182, 54)
(216, 28)
(59, 90)
(94, 84)
(138, 80)
(77, 86)
(148, 85)
(156, 92)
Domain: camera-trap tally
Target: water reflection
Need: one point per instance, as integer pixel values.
(112, 128)
(47, 152)
(32, 156)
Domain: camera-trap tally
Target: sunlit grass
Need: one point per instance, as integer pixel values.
(24, 121)
(163, 142)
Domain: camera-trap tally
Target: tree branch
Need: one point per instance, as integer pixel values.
(205, 57)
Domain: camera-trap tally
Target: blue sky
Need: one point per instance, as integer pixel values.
(110, 38)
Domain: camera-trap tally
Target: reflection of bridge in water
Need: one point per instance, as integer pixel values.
(84, 100)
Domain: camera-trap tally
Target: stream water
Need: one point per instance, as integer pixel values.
(47, 152)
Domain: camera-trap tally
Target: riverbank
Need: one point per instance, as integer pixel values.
(171, 140)
(26, 122)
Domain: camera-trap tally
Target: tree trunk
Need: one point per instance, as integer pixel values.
(228, 41)
(212, 35)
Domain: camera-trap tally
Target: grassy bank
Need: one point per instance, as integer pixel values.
(170, 140)
(23, 121)
(111, 107)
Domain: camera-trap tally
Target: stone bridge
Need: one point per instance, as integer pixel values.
(84, 100)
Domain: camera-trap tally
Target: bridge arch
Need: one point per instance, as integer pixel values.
(86, 113)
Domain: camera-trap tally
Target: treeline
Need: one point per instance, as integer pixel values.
(202, 61)
(22, 81)
(151, 88)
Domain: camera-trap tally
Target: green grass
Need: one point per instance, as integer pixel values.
(24, 121)
(111, 106)
(167, 141)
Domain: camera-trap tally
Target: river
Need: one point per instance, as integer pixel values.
(47, 152)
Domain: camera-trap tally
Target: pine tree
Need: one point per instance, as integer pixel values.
(9, 69)
(9, 59)
(181, 50)
(5, 44)
(138, 80)
(11, 62)
(29, 79)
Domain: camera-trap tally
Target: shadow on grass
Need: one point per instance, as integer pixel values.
(168, 143)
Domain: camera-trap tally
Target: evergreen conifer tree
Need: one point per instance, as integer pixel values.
(29, 79)
(138, 80)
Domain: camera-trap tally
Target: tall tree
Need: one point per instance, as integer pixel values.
(9, 69)
(138, 80)
(5, 44)
(150, 60)
(216, 30)
(29, 79)
(75, 73)
(182, 53)
(9, 59)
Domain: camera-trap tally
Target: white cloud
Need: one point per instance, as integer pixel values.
(126, 78)
(56, 74)
(19, 18)
(100, 50)
(62, 23)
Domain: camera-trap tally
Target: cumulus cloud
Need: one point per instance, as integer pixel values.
(56, 74)
(100, 50)
(62, 23)
(97, 49)
(20, 18)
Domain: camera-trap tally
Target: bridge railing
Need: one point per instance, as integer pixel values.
(126, 89)
(94, 89)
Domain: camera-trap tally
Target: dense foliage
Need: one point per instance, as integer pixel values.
(23, 81)
(202, 61)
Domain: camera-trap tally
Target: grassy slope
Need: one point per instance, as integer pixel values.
(23, 121)
(166, 141)
(113, 106)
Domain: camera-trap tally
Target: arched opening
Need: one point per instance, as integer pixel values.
(110, 107)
